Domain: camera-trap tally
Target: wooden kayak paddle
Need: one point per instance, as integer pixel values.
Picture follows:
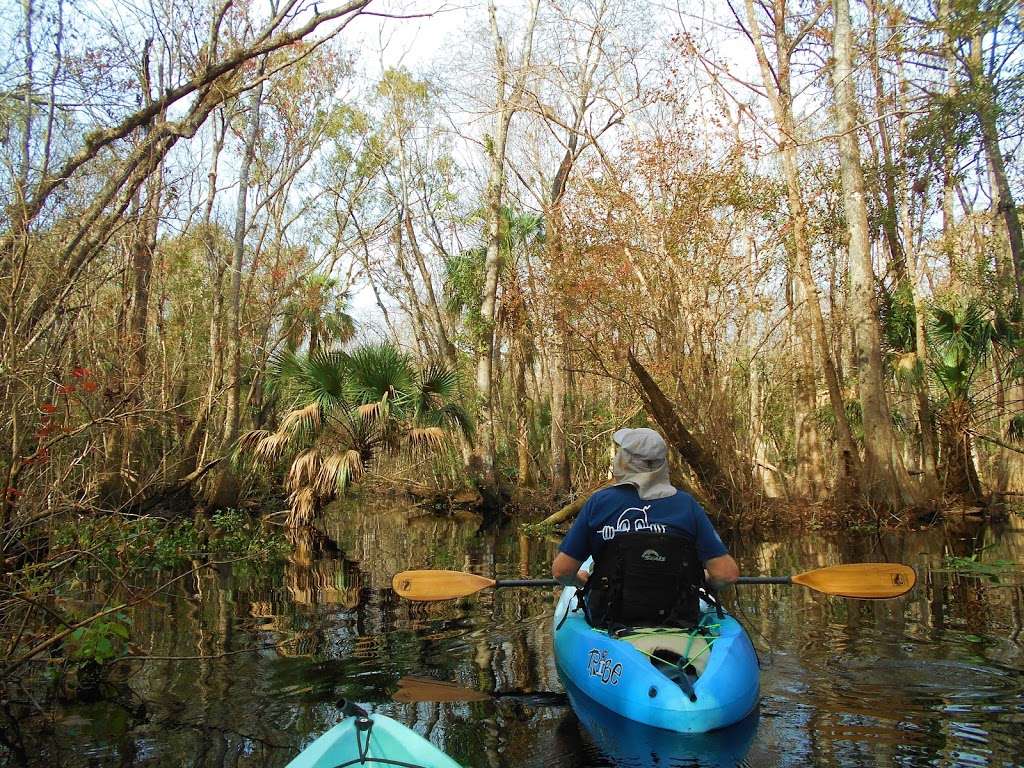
(866, 581)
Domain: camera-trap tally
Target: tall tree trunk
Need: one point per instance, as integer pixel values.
(226, 488)
(767, 478)
(948, 158)
(960, 477)
(414, 308)
(507, 95)
(190, 453)
(1006, 206)
(890, 207)
(559, 445)
(885, 480)
(777, 85)
(925, 417)
(810, 458)
(521, 401)
(26, 117)
(444, 343)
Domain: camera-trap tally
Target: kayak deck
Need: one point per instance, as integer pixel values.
(373, 741)
(668, 678)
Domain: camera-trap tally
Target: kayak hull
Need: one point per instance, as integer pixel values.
(620, 677)
(640, 746)
(386, 740)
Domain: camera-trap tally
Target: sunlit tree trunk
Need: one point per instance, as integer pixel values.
(810, 459)
(885, 479)
(522, 406)
(509, 87)
(226, 488)
(413, 308)
(778, 87)
(215, 269)
(948, 173)
(915, 261)
(884, 103)
(1006, 206)
(767, 478)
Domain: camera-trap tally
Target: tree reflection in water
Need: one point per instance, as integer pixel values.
(934, 678)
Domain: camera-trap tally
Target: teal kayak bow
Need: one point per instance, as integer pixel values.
(363, 739)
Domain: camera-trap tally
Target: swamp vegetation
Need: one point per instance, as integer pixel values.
(255, 258)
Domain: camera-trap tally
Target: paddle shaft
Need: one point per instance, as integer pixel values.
(553, 583)
(526, 583)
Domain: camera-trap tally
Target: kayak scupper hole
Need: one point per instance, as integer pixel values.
(652, 691)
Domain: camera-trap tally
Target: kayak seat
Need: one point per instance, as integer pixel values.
(673, 648)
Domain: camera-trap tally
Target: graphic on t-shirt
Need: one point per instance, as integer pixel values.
(632, 519)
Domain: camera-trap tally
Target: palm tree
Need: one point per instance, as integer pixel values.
(318, 312)
(344, 411)
(963, 338)
(463, 289)
(463, 277)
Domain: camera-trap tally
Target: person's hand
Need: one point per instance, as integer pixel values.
(582, 576)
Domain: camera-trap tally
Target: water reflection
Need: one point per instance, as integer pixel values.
(936, 678)
(631, 745)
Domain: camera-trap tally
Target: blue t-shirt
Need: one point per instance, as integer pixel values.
(619, 509)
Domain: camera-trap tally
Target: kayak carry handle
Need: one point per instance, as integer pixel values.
(350, 708)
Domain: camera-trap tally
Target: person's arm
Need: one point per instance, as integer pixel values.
(574, 549)
(566, 570)
(722, 571)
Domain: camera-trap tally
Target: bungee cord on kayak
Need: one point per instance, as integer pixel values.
(372, 740)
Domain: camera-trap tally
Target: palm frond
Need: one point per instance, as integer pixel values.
(282, 367)
(339, 326)
(306, 419)
(907, 368)
(325, 376)
(455, 415)
(301, 378)
(303, 471)
(304, 506)
(375, 411)
(250, 440)
(378, 370)
(337, 471)
(463, 281)
(272, 446)
(430, 438)
(435, 384)
(898, 320)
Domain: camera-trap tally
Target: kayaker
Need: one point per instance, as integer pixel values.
(653, 544)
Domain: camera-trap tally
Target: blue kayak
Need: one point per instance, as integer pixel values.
(688, 682)
(371, 740)
(636, 745)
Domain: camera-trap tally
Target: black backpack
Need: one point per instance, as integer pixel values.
(646, 580)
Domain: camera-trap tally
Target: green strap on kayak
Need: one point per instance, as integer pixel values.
(703, 624)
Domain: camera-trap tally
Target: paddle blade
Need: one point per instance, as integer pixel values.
(861, 580)
(415, 689)
(438, 585)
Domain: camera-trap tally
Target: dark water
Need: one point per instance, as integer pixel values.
(933, 679)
